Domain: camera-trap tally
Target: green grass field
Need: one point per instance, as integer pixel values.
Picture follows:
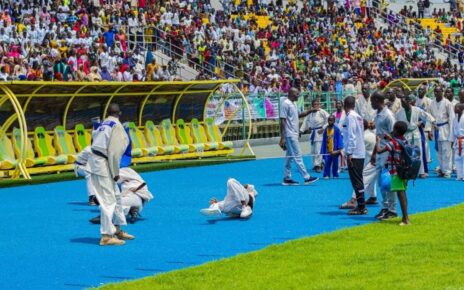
(429, 254)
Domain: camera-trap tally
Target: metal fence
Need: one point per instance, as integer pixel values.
(265, 112)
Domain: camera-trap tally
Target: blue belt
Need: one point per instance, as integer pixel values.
(313, 133)
(98, 153)
(436, 133)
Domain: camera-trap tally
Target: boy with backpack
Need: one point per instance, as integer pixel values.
(403, 163)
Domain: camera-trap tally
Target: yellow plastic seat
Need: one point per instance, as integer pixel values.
(139, 144)
(64, 144)
(199, 135)
(153, 138)
(214, 134)
(7, 155)
(168, 134)
(184, 137)
(44, 148)
(31, 159)
(81, 137)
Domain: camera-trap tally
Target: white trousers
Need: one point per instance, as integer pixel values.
(427, 148)
(418, 143)
(131, 200)
(388, 197)
(459, 162)
(236, 193)
(315, 151)
(369, 178)
(444, 156)
(293, 153)
(80, 171)
(109, 197)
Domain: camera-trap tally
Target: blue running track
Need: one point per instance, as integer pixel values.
(46, 241)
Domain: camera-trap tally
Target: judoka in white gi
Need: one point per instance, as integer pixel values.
(238, 203)
(443, 112)
(414, 117)
(392, 101)
(425, 129)
(363, 105)
(81, 169)
(457, 137)
(315, 123)
(108, 146)
(369, 172)
(449, 94)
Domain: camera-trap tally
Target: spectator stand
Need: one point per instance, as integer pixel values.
(58, 116)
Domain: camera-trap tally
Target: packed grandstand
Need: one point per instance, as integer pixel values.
(269, 45)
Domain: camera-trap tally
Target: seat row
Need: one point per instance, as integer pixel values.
(163, 142)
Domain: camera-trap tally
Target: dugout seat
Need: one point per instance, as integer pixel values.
(64, 144)
(153, 138)
(184, 136)
(199, 135)
(139, 146)
(168, 134)
(81, 137)
(43, 146)
(31, 160)
(7, 155)
(214, 134)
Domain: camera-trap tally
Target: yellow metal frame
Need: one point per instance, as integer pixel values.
(410, 84)
(16, 90)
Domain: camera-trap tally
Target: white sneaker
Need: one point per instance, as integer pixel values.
(213, 210)
(447, 176)
(246, 212)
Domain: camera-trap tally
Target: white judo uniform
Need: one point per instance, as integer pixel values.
(443, 112)
(232, 203)
(413, 135)
(134, 190)
(424, 104)
(109, 143)
(457, 137)
(81, 169)
(364, 109)
(315, 121)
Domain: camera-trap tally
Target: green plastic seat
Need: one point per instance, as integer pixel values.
(139, 146)
(199, 135)
(184, 137)
(7, 155)
(31, 159)
(214, 134)
(168, 134)
(153, 138)
(81, 137)
(64, 144)
(44, 148)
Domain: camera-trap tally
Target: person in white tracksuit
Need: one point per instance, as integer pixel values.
(108, 145)
(413, 116)
(81, 169)
(238, 202)
(315, 123)
(457, 137)
(443, 112)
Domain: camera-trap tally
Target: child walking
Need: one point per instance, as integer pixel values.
(332, 144)
(394, 147)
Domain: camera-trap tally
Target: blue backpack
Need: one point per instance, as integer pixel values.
(410, 163)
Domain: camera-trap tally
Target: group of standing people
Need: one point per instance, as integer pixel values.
(369, 133)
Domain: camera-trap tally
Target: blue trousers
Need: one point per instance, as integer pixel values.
(330, 162)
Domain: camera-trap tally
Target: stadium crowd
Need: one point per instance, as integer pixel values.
(332, 49)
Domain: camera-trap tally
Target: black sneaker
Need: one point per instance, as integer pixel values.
(95, 220)
(358, 211)
(289, 182)
(380, 215)
(311, 180)
(372, 200)
(93, 200)
(133, 214)
(389, 215)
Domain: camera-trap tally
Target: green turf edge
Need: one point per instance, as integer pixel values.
(143, 167)
(382, 255)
